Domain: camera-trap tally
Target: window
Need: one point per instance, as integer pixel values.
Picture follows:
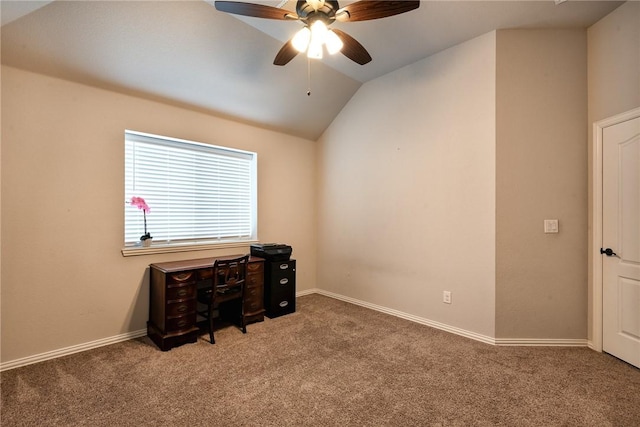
(197, 193)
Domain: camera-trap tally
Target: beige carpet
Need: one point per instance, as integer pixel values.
(329, 364)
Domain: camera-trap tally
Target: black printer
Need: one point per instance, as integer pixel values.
(272, 251)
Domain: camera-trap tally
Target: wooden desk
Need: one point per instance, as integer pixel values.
(172, 298)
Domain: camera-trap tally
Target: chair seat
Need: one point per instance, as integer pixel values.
(227, 291)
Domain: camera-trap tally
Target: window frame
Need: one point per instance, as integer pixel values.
(195, 244)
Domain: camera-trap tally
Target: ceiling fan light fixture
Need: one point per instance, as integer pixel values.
(301, 40)
(333, 42)
(315, 49)
(318, 32)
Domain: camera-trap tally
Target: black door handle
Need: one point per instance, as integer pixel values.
(608, 252)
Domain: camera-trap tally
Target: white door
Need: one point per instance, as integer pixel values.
(621, 240)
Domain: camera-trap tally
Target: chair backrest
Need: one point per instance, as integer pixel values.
(229, 275)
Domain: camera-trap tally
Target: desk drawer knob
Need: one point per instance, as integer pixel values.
(284, 266)
(182, 292)
(182, 323)
(284, 281)
(284, 303)
(182, 308)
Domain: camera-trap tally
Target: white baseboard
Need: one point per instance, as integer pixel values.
(593, 347)
(54, 354)
(70, 350)
(307, 292)
(431, 323)
(542, 342)
(410, 317)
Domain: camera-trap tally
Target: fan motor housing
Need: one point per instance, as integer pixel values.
(305, 10)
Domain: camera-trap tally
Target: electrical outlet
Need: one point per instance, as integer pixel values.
(446, 297)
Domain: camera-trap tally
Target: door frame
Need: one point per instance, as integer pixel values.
(595, 342)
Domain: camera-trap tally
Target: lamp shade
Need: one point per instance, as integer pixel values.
(333, 42)
(315, 49)
(300, 41)
(319, 31)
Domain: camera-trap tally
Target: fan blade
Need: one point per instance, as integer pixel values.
(255, 10)
(365, 10)
(352, 49)
(286, 54)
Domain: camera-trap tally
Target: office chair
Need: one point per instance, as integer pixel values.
(228, 283)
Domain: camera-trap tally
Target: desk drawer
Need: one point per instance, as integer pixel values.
(181, 277)
(186, 291)
(181, 308)
(255, 280)
(253, 302)
(252, 307)
(205, 273)
(255, 267)
(176, 324)
(252, 294)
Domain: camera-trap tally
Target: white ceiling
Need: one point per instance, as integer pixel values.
(188, 54)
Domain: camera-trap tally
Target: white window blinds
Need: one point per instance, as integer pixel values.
(195, 192)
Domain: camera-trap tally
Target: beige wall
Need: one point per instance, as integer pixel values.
(435, 177)
(64, 280)
(407, 190)
(614, 83)
(541, 283)
(614, 62)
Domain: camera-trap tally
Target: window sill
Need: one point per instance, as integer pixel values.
(185, 247)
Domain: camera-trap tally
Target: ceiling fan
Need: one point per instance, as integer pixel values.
(317, 15)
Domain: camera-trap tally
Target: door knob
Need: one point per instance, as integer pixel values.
(608, 252)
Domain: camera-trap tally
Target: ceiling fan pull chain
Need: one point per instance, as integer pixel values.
(308, 76)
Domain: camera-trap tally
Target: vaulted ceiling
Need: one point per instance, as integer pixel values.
(189, 54)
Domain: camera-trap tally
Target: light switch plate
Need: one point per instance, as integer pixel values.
(551, 226)
(446, 297)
